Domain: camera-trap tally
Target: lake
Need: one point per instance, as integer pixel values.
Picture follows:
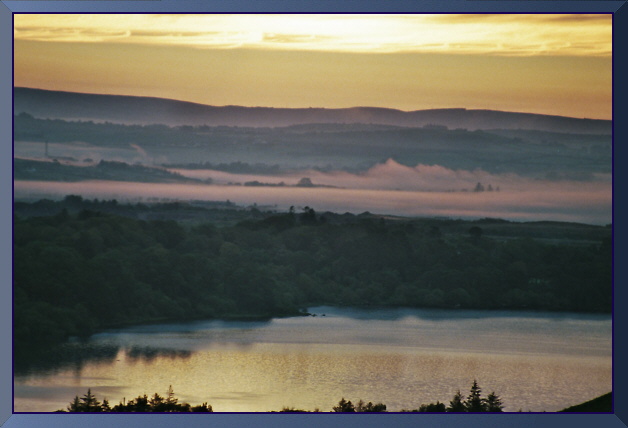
(534, 361)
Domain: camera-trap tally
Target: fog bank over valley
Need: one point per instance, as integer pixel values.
(422, 169)
(574, 203)
(392, 175)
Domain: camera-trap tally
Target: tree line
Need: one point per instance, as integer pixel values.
(76, 273)
(473, 403)
(169, 403)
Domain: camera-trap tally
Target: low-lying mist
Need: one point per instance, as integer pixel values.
(392, 175)
(388, 187)
(532, 200)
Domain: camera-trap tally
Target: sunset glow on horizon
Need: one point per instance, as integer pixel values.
(508, 35)
(548, 64)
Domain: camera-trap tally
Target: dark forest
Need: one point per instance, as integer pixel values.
(91, 265)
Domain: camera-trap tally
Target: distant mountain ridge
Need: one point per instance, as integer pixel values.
(148, 110)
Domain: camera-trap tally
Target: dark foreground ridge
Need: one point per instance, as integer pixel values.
(603, 403)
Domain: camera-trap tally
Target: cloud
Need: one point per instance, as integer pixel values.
(70, 34)
(511, 34)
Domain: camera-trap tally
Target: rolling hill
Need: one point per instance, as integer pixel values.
(145, 110)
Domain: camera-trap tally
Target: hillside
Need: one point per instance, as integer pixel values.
(145, 110)
(603, 403)
(25, 169)
(357, 146)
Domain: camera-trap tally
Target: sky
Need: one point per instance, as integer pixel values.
(548, 64)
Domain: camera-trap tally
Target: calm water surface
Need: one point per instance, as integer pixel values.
(403, 358)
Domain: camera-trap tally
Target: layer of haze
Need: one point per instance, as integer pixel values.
(393, 176)
(573, 202)
(550, 64)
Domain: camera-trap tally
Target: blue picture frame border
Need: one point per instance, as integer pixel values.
(554, 420)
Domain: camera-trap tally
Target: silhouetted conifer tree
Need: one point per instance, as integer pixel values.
(474, 401)
(456, 405)
(89, 403)
(493, 403)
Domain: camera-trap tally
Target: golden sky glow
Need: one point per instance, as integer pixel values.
(553, 64)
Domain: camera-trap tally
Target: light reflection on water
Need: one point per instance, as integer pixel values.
(403, 358)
